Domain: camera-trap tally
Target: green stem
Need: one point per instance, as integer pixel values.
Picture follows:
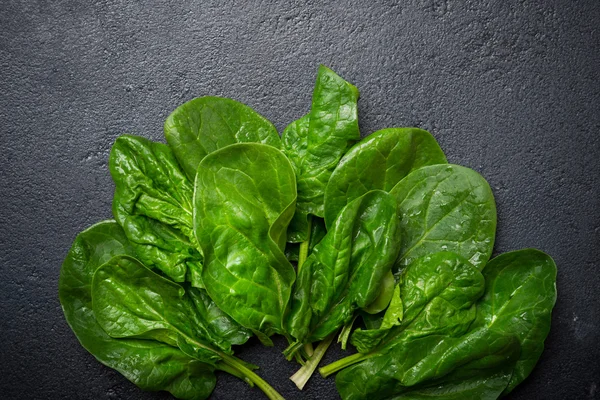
(303, 375)
(303, 254)
(257, 380)
(341, 364)
(232, 371)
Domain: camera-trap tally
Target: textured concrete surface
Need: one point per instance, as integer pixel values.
(509, 88)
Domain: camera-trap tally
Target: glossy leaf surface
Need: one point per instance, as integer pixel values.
(436, 294)
(132, 301)
(501, 346)
(245, 197)
(153, 204)
(205, 124)
(149, 364)
(446, 208)
(520, 295)
(379, 161)
(315, 144)
(346, 269)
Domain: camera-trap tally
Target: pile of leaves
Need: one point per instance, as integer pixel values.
(231, 231)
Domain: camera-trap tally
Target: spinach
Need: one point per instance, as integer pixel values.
(153, 204)
(451, 352)
(435, 294)
(150, 365)
(520, 294)
(244, 199)
(379, 161)
(131, 301)
(345, 270)
(205, 124)
(445, 207)
(316, 142)
(199, 258)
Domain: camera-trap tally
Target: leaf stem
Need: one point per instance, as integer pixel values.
(341, 364)
(261, 383)
(302, 255)
(303, 374)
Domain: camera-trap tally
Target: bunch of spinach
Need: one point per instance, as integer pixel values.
(208, 228)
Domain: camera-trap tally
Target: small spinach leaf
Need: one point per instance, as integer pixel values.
(316, 143)
(346, 269)
(153, 204)
(379, 161)
(446, 207)
(244, 199)
(205, 124)
(149, 364)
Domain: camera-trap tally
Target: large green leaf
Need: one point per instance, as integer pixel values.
(503, 344)
(446, 208)
(411, 362)
(316, 143)
(520, 295)
(346, 269)
(244, 199)
(149, 364)
(379, 161)
(205, 124)
(129, 300)
(153, 204)
(436, 294)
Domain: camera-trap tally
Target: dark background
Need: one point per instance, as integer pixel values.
(509, 88)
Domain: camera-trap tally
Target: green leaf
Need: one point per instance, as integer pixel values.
(379, 161)
(386, 293)
(435, 295)
(346, 269)
(205, 124)
(132, 301)
(520, 295)
(446, 208)
(316, 143)
(153, 204)
(474, 381)
(149, 364)
(420, 361)
(501, 346)
(245, 197)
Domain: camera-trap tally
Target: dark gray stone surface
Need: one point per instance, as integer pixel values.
(509, 88)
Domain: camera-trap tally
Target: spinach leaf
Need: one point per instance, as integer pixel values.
(244, 199)
(440, 363)
(436, 294)
(520, 294)
(379, 161)
(131, 301)
(205, 124)
(149, 364)
(346, 269)
(512, 321)
(475, 382)
(446, 207)
(153, 204)
(315, 143)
